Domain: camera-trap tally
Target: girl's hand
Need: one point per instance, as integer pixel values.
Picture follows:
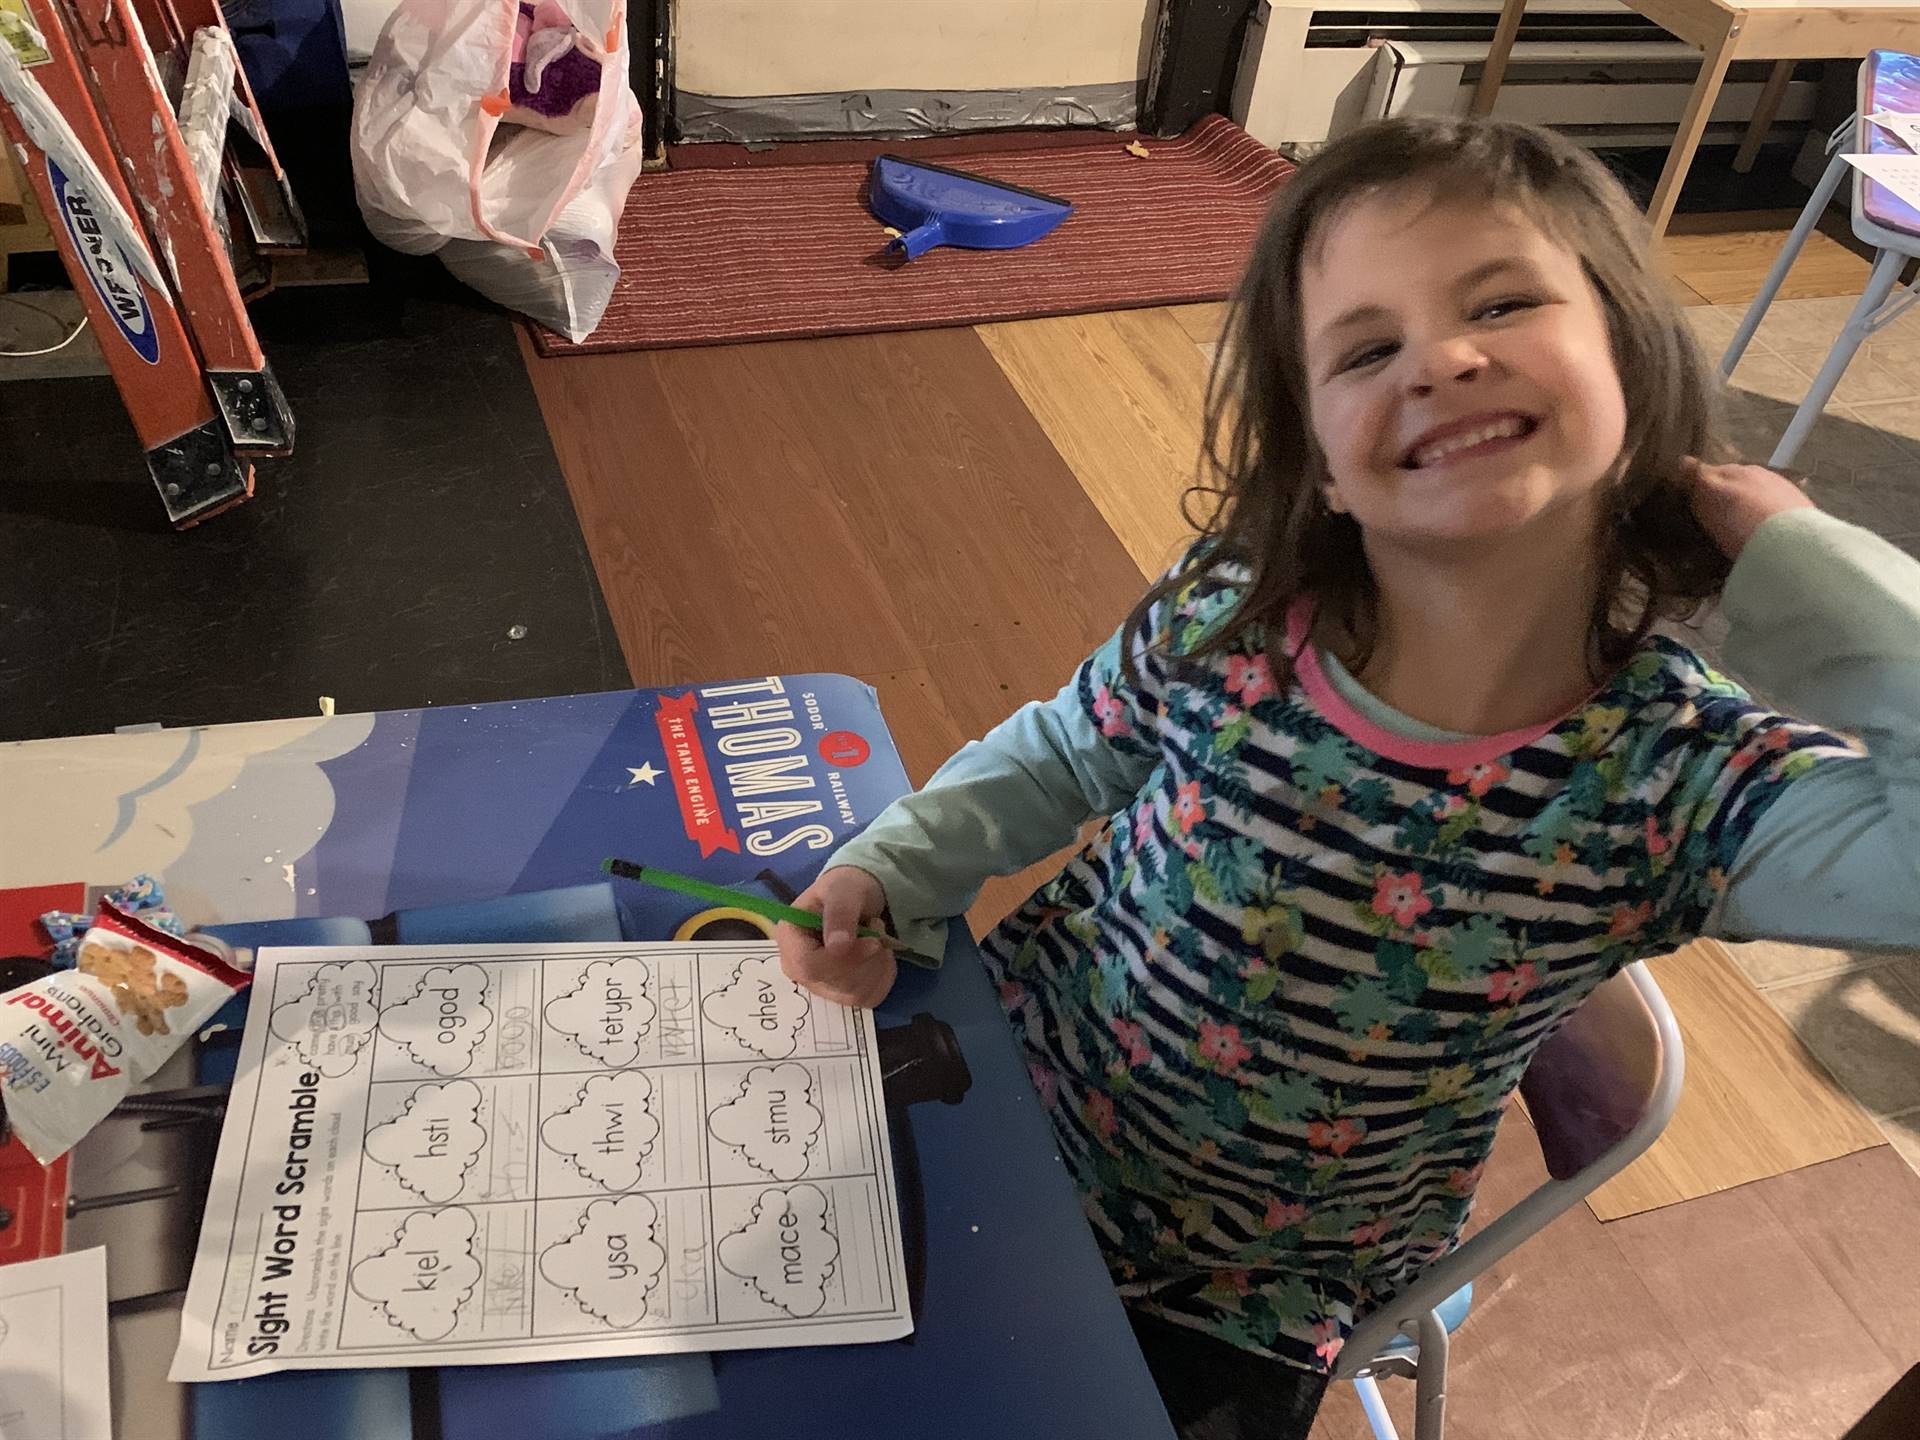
(833, 962)
(1731, 501)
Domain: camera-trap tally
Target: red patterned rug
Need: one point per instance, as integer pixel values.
(714, 255)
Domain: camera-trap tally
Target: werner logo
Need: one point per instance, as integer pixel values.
(106, 264)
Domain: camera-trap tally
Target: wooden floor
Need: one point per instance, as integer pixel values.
(1781, 1310)
(957, 517)
(884, 506)
(1722, 258)
(1756, 1101)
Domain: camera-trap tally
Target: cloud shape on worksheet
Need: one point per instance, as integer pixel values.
(609, 1012)
(787, 1251)
(610, 1264)
(772, 1120)
(761, 1007)
(421, 1280)
(608, 1131)
(443, 1021)
(331, 1021)
(434, 1140)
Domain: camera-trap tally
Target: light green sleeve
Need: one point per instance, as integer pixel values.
(1006, 801)
(1825, 625)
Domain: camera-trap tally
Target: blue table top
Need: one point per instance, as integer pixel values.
(287, 829)
(1020, 1331)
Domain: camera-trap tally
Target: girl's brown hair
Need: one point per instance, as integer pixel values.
(1264, 499)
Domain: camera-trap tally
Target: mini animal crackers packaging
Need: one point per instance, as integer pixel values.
(72, 1043)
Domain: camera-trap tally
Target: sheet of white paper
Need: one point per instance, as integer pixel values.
(485, 1154)
(53, 1348)
(1899, 173)
(1904, 128)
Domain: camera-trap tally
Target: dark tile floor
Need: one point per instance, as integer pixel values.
(387, 563)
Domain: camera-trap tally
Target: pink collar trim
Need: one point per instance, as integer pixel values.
(1427, 754)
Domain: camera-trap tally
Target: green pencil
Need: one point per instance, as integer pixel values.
(739, 899)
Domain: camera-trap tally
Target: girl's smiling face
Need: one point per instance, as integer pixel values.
(1460, 377)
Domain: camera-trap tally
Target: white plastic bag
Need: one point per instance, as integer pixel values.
(525, 216)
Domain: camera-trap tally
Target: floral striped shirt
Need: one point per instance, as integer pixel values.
(1275, 1006)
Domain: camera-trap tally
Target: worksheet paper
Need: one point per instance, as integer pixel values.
(481, 1154)
(1899, 173)
(1904, 128)
(53, 1348)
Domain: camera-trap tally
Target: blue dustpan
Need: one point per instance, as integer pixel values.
(931, 205)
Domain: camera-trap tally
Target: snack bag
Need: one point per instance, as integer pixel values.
(74, 1042)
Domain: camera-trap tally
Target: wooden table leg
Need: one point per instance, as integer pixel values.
(1706, 90)
(1764, 110)
(1496, 67)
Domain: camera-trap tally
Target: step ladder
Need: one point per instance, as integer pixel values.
(133, 120)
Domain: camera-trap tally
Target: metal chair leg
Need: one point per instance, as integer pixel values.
(1887, 266)
(1789, 252)
(1375, 1406)
(1430, 1381)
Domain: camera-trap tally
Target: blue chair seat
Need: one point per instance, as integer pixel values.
(1453, 1313)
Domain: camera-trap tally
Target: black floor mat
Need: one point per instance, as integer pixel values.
(421, 525)
(1712, 185)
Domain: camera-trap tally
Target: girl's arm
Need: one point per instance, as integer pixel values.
(1825, 623)
(1009, 800)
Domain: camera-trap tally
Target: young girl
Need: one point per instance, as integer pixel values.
(1397, 769)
